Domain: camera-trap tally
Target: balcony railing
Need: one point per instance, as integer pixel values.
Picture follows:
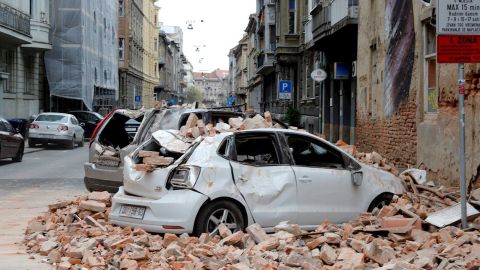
(14, 19)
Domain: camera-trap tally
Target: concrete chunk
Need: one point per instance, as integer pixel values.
(93, 206)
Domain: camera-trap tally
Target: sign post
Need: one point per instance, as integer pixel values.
(285, 89)
(458, 41)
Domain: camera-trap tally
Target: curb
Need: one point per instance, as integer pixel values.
(33, 151)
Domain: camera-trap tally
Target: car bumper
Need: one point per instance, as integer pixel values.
(99, 179)
(50, 137)
(178, 208)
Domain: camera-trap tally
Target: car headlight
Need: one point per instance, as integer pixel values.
(184, 177)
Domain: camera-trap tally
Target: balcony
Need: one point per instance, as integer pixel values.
(14, 20)
(265, 63)
(333, 16)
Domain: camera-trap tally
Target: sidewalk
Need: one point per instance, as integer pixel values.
(17, 209)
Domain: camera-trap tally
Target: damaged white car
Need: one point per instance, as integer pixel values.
(263, 176)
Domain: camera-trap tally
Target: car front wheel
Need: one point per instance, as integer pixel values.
(217, 212)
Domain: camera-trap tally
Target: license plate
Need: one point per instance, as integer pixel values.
(132, 211)
(130, 129)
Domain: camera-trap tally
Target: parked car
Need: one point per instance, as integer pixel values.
(58, 128)
(88, 121)
(11, 142)
(263, 176)
(120, 134)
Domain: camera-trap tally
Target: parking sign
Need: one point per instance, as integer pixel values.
(285, 89)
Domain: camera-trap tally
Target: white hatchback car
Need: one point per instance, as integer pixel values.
(263, 176)
(60, 128)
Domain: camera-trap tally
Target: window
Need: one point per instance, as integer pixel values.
(121, 8)
(3, 126)
(292, 14)
(94, 22)
(74, 121)
(223, 150)
(430, 69)
(256, 150)
(104, 27)
(312, 153)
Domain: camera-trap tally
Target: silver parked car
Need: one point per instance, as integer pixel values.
(58, 128)
(262, 176)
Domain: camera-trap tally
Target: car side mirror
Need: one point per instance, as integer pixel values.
(357, 178)
(82, 124)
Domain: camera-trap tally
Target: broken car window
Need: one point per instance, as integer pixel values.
(256, 150)
(311, 153)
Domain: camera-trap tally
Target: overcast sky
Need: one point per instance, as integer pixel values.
(224, 22)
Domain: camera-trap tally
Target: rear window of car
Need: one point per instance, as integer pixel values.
(52, 118)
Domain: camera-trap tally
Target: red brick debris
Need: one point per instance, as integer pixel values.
(76, 234)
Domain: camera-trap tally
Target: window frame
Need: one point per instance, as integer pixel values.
(332, 150)
(427, 59)
(294, 11)
(276, 143)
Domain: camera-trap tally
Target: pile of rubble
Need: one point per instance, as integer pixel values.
(76, 235)
(195, 127)
(151, 160)
(373, 158)
(106, 156)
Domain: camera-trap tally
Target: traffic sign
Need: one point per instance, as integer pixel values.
(456, 17)
(458, 49)
(138, 98)
(285, 89)
(318, 75)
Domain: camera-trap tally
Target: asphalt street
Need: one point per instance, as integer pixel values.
(45, 175)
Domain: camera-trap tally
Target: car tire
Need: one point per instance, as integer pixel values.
(71, 145)
(82, 142)
(19, 156)
(214, 213)
(32, 143)
(380, 201)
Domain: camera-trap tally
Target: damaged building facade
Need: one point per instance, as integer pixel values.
(407, 104)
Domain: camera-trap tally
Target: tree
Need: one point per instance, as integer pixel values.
(194, 94)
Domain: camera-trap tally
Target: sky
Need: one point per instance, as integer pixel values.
(224, 22)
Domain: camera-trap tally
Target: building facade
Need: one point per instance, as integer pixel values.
(176, 72)
(137, 52)
(407, 104)
(24, 37)
(238, 71)
(215, 87)
(82, 66)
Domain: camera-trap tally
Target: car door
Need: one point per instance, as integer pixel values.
(265, 180)
(4, 150)
(9, 142)
(325, 188)
(78, 129)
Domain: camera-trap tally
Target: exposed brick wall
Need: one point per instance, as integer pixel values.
(394, 138)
